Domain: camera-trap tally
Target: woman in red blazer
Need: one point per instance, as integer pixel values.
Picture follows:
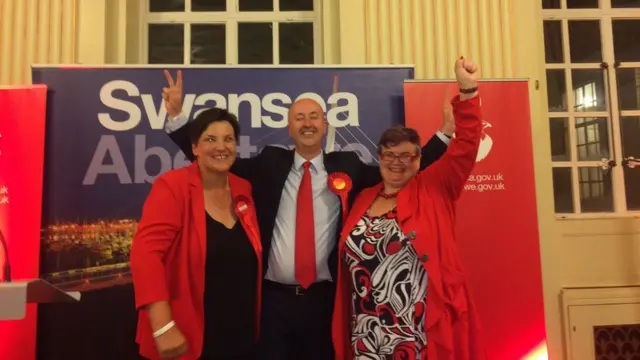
(401, 293)
(196, 256)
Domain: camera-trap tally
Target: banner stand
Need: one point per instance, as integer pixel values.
(496, 216)
(22, 128)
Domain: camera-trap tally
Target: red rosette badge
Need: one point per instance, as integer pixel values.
(340, 184)
(242, 204)
(243, 207)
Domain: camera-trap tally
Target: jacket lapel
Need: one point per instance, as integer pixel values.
(197, 207)
(283, 167)
(244, 209)
(406, 205)
(330, 167)
(360, 208)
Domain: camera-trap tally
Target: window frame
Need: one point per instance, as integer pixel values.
(231, 19)
(605, 15)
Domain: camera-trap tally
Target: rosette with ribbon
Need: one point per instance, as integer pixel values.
(243, 207)
(340, 184)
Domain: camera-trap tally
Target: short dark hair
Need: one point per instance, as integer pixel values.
(208, 117)
(397, 134)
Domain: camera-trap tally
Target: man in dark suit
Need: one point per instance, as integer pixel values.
(300, 220)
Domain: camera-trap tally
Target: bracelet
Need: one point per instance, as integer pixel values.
(469, 91)
(164, 329)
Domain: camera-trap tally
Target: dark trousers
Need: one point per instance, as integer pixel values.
(296, 323)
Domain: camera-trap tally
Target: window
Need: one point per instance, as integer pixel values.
(592, 56)
(232, 32)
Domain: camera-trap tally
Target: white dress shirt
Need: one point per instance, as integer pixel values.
(326, 211)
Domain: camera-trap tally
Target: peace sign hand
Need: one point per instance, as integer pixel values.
(172, 95)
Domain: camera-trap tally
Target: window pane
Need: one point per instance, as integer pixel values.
(562, 190)
(588, 90)
(296, 43)
(582, 4)
(208, 5)
(629, 88)
(625, 3)
(255, 43)
(595, 189)
(255, 5)
(584, 41)
(626, 40)
(630, 128)
(560, 143)
(556, 90)
(208, 44)
(296, 5)
(553, 42)
(166, 5)
(592, 139)
(551, 4)
(166, 44)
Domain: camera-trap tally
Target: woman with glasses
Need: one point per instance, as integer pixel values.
(401, 293)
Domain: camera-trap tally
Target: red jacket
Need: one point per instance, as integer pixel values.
(169, 252)
(425, 211)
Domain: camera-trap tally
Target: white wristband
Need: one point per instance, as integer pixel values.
(164, 329)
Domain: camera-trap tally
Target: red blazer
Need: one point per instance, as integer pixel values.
(169, 252)
(425, 210)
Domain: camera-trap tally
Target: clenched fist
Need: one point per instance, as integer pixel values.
(466, 73)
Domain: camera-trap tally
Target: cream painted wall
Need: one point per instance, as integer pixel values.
(91, 31)
(35, 32)
(50, 32)
(598, 252)
(574, 253)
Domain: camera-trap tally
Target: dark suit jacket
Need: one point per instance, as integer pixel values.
(268, 171)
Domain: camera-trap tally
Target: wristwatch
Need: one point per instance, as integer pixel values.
(469, 91)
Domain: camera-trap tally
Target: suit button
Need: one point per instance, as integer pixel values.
(412, 235)
(424, 257)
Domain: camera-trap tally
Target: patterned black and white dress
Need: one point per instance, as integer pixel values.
(389, 291)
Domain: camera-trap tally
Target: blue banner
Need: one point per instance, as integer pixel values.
(105, 138)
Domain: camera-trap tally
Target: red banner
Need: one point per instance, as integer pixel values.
(22, 128)
(496, 226)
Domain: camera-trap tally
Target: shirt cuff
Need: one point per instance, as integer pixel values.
(445, 139)
(176, 123)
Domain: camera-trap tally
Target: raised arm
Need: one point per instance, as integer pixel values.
(430, 152)
(177, 124)
(177, 127)
(451, 172)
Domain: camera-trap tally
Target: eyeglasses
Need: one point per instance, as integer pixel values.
(404, 158)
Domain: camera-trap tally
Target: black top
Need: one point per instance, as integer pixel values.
(229, 294)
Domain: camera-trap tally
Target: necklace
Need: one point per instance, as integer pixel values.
(383, 195)
(219, 199)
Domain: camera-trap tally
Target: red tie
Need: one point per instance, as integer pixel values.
(305, 232)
